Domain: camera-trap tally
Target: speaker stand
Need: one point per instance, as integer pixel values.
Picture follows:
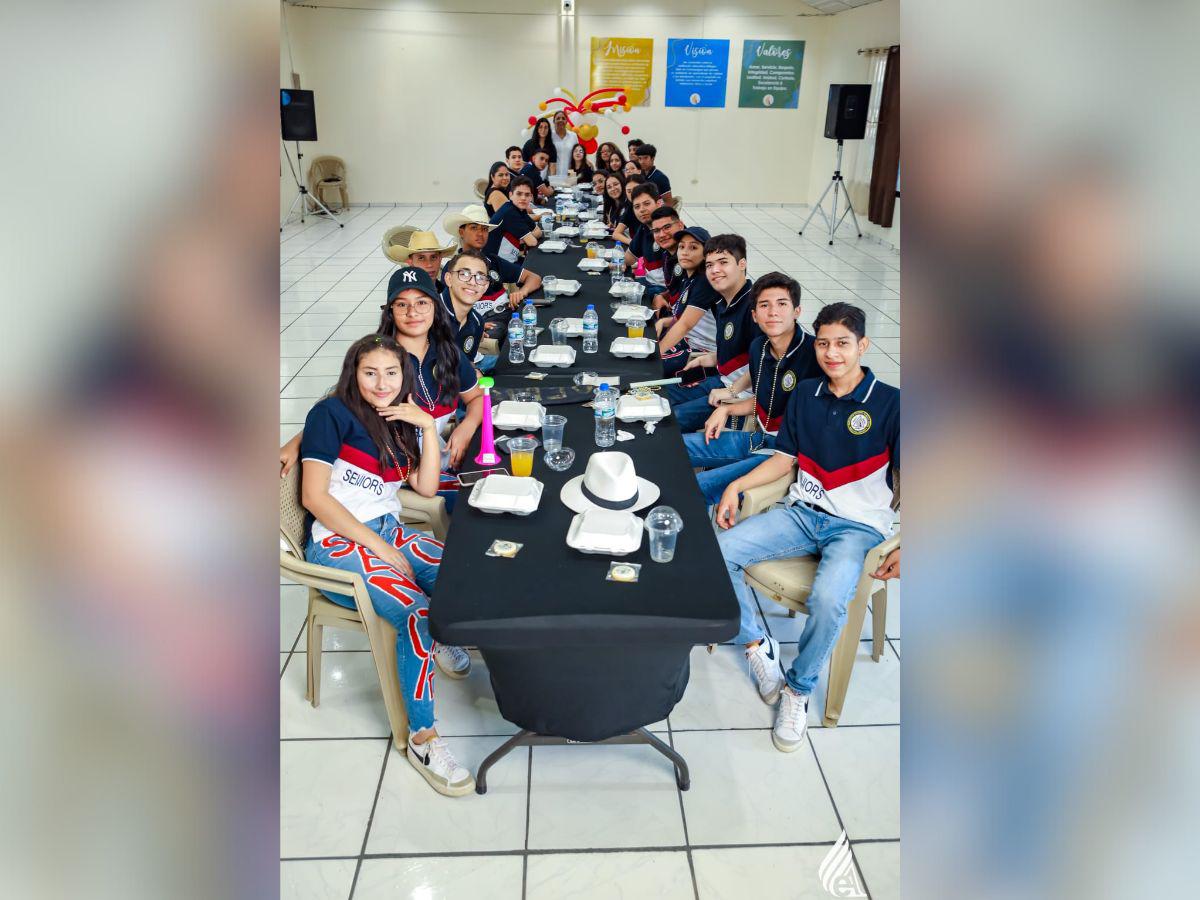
(303, 197)
(837, 184)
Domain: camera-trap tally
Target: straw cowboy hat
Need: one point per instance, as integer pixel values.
(610, 482)
(471, 215)
(416, 242)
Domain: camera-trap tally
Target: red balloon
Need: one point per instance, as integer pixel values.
(590, 146)
(533, 120)
(621, 99)
(624, 129)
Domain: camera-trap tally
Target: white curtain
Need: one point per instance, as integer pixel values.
(858, 172)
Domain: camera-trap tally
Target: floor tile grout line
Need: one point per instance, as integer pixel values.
(584, 851)
(361, 213)
(659, 734)
(320, 238)
(387, 752)
(528, 807)
(837, 812)
(683, 815)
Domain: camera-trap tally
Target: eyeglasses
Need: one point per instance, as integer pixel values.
(662, 229)
(419, 306)
(466, 276)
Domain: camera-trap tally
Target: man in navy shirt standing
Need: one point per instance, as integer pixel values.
(645, 156)
(843, 431)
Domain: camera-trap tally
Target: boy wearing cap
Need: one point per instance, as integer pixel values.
(780, 358)
(725, 267)
(645, 155)
(843, 431)
(473, 228)
(691, 327)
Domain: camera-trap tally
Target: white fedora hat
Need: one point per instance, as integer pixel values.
(610, 482)
(474, 214)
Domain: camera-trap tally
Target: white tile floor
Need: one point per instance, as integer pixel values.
(599, 822)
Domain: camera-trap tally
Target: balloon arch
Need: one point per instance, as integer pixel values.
(584, 116)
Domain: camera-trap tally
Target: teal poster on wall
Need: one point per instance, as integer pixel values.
(697, 71)
(771, 74)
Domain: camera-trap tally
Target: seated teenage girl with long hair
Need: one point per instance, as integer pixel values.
(416, 317)
(361, 444)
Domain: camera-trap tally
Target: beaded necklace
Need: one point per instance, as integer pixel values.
(424, 388)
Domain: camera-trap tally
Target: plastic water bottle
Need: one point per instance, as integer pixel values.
(604, 411)
(591, 330)
(516, 340)
(529, 323)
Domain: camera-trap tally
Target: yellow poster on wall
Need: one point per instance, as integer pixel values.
(623, 62)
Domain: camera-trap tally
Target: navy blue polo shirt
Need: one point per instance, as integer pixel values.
(504, 240)
(845, 448)
(469, 332)
(735, 330)
(659, 180)
(501, 272)
(432, 397)
(538, 177)
(774, 380)
(690, 291)
(643, 245)
(628, 219)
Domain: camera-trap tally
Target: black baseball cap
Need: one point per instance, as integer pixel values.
(411, 277)
(700, 234)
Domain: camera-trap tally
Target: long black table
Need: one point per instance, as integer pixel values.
(572, 655)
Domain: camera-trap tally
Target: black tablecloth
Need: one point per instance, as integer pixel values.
(569, 652)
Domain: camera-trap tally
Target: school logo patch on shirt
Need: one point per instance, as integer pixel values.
(470, 342)
(789, 382)
(678, 270)
(859, 422)
(728, 330)
(493, 274)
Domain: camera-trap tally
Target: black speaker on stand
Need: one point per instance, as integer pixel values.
(845, 120)
(298, 122)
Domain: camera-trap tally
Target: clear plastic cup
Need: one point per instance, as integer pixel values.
(635, 329)
(558, 331)
(521, 450)
(664, 525)
(593, 250)
(552, 432)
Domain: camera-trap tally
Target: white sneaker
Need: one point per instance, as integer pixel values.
(791, 720)
(437, 765)
(455, 662)
(766, 669)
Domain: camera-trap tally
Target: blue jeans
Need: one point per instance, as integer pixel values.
(402, 601)
(690, 404)
(727, 458)
(486, 363)
(800, 530)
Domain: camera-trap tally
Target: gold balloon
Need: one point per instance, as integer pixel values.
(587, 132)
(542, 106)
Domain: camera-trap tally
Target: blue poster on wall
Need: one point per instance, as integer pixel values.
(697, 70)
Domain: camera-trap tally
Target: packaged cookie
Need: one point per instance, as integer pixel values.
(623, 571)
(504, 548)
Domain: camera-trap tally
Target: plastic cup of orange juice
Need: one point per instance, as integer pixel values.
(522, 456)
(635, 329)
